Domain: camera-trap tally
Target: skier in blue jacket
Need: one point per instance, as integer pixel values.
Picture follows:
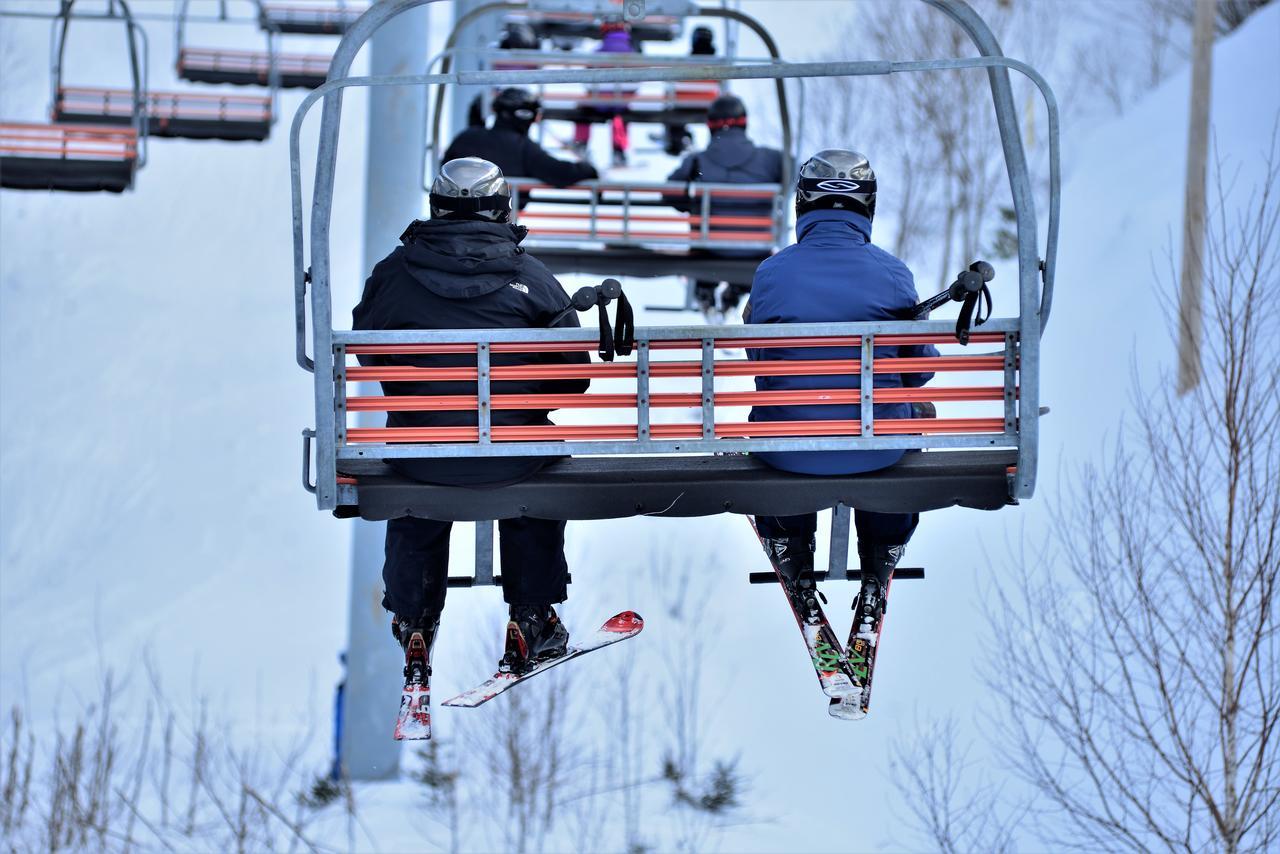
(834, 273)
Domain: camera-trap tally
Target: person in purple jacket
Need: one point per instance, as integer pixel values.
(834, 273)
(615, 38)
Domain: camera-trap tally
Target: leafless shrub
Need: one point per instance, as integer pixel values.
(1141, 677)
(102, 781)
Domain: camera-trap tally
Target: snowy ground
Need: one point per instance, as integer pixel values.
(149, 418)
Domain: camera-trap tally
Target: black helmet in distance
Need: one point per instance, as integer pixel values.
(725, 112)
(518, 35)
(516, 107)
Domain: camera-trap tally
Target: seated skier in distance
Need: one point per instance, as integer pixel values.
(464, 269)
(834, 273)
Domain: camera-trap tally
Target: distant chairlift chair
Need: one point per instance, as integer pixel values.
(269, 68)
(81, 157)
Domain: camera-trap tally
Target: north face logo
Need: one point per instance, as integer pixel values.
(522, 288)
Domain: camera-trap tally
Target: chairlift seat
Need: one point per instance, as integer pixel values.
(252, 68)
(315, 20)
(617, 487)
(187, 115)
(72, 158)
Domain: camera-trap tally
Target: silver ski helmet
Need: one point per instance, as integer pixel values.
(836, 178)
(470, 188)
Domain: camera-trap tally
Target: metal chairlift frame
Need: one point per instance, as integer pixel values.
(1035, 283)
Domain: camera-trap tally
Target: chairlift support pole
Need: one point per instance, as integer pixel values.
(393, 196)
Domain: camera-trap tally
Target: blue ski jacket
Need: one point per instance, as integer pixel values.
(832, 273)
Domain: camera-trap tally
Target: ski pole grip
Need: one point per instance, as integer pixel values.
(610, 289)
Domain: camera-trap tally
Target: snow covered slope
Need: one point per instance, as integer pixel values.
(149, 418)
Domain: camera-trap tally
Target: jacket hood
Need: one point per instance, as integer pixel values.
(461, 259)
(731, 148)
(855, 222)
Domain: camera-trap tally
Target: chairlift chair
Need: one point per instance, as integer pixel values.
(643, 463)
(271, 67)
(325, 18)
(81, 156)
(190, 115)
(564, 23)
(607, 228)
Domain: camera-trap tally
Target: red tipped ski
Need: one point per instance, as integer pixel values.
(619, 627)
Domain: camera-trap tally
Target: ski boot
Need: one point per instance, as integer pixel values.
(416, 638)
(534, 634)
(877, 563)
(793, 556)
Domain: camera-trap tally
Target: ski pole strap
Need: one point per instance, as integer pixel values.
(972, 312)
(625, 331)
(606, 334)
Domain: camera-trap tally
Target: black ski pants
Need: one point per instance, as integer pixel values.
(416, 572)
(874, 529)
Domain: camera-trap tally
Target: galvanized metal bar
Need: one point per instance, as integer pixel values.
(642, 390)
(667, 333)
(1010, 382)
(708, 388)
(628, 447)
(340, 392)
(838, 553)
(484, 552)
(866, 384)
(483, 391)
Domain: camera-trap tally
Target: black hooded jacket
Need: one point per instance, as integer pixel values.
(456, 274)
(511, 150)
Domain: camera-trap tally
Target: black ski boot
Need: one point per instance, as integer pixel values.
(534, 634)
(877, 563)
(793, 556)
(416, 637)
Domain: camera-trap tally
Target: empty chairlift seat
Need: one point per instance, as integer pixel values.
(251, 68)
(191, 115)
(308, 18)
(608, 228)
(667, 402)
(78, 158)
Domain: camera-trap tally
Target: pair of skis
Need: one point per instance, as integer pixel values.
(414, 722)
(843, 674)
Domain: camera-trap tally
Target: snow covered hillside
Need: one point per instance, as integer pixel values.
(150, 502)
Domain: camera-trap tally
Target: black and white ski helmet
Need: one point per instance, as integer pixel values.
(516, 106)
(470, 188)
(518, 35)
(836, 178)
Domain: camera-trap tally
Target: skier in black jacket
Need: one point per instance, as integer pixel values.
(730, 158)
(507, 144)
(464, 269)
